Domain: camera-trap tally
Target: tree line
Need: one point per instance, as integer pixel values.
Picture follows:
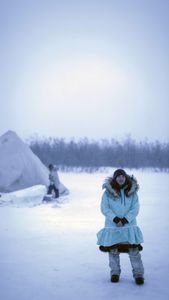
(86, 153)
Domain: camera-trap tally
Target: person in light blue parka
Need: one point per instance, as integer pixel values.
(120, 206)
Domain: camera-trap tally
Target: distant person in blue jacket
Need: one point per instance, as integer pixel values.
(53, 181)
(120, 206)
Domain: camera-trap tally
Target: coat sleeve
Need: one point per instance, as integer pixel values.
(51, 180)
(56, 179)
(105, 208)
(134, 209)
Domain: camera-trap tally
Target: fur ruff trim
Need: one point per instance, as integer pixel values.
(134, 186)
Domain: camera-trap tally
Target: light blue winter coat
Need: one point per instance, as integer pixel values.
(113, 205)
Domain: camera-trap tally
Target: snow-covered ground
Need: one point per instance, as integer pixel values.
(49, 251)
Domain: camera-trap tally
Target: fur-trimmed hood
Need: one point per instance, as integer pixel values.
(134, 186)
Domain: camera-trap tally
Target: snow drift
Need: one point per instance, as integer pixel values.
(19, 167)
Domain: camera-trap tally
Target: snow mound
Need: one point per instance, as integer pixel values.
(20, 168)
(27, 197)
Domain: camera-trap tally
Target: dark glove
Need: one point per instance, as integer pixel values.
(116, 220)
(124, 221)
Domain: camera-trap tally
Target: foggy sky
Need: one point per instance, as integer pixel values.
(85, 68)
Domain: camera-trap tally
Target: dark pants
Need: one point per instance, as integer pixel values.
(51, 188)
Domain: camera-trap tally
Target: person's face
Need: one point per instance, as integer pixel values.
(121, 179)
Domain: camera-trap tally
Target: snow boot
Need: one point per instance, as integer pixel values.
(114, 278)
(139, 280)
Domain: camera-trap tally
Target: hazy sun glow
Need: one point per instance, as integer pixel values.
(78, 78)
